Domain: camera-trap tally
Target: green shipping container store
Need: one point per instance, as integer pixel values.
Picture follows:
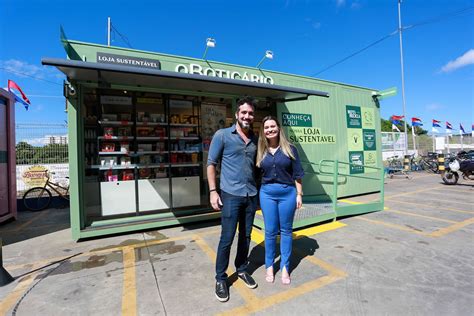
(140, 124)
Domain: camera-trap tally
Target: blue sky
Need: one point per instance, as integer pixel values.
(305, 36)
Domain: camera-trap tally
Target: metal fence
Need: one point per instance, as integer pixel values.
(40, 145)
(393, 144)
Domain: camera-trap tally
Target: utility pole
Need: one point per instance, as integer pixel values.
(108, 30)
(405, 149)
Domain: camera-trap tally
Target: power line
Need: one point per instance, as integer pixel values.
(357, 52)
(27, 75)
(433, 20)
(440, 18)
(124, 38)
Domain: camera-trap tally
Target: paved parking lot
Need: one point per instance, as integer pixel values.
(414, 258)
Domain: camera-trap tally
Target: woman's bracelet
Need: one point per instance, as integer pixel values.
(299, 193)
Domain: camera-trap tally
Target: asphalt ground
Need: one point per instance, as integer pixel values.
(414, 258)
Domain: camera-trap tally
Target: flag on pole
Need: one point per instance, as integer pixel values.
(24, 100)
(449, 128)
(416, 121)
(435, 124)
(395, 128)
(395, 119)
(472, 130)
(461, 129)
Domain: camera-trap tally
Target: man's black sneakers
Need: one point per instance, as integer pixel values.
(248, 280)
(222, 291)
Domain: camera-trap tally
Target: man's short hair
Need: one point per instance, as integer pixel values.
(246, 99)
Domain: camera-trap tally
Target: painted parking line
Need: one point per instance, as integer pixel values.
(99, 251)
(399, 227)
(422, 216)
(437, 233)
(409, 193)
(449, 200)
(387, 209)
(129, 290)
(9, 301)
(317, 229)
(334, 274)
(458, 190)
(452, 228)
(27, 223)
(243, 291)
(435, 206)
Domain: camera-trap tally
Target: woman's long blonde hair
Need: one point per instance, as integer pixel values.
(262, 149)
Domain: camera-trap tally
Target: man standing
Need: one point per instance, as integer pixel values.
(235, 148)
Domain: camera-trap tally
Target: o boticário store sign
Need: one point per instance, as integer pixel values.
(222, 73)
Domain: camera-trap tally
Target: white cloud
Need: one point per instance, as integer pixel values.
(434, 107)
(356, 5)
(23, 69)
(340, 3)
(314, 24)
(463, 61)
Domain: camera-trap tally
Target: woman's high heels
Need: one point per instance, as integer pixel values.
(269, 276)
(285, 277)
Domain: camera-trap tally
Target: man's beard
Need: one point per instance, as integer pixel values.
(245, 127)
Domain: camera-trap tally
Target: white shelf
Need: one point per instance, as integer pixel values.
(183, 125)
(184, 138)
(115, 138)
(151, 138)
(108, 153)
(151, 124)
(116, 123)
(141, 153)
(184, 151)
(116, 167)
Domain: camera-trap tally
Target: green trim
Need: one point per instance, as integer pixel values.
(3, 156)
(143, 226)
(359, 208)
(314, 220)
(141, 218)
(76, 168)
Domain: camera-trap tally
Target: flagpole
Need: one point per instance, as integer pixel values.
(447, 136)
(462, 145)
(403, 74)
(433, 136)
(413, 136)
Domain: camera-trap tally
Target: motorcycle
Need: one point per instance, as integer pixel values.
(462, 163)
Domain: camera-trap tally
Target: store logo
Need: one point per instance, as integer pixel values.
(196, 69)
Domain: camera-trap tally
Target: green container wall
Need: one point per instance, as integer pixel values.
(328, 114)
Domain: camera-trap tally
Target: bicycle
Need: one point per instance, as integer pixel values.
(39, 198)
(395, 166)
(429, 162)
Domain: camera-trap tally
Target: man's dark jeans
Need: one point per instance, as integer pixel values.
(241, 210)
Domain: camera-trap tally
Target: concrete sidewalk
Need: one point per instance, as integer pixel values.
(414, 258)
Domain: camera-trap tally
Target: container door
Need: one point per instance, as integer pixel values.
(4, 170)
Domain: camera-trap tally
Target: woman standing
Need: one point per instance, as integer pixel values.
(280, 194)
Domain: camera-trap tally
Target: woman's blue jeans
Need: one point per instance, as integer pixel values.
(278, 202)
(241, 210)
